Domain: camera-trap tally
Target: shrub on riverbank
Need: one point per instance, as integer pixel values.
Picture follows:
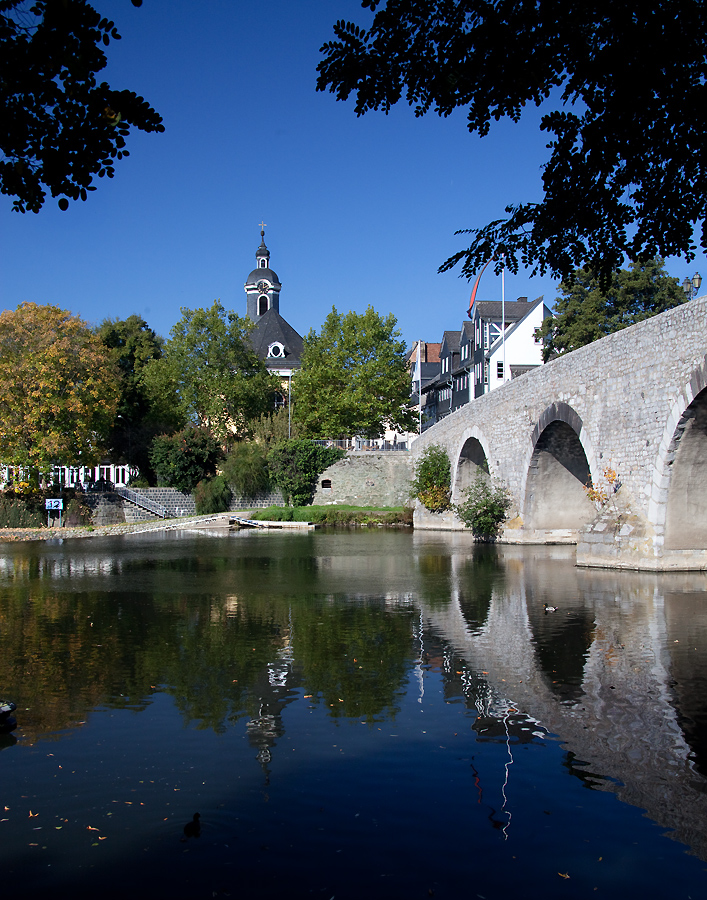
(296, 464)
(432, 484)
(18, 514)
(212, 495)
(484, 508)
(335, 515)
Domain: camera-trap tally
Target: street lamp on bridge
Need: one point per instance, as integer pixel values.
(692, 285)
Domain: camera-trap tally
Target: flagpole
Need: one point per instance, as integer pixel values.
(503, 315)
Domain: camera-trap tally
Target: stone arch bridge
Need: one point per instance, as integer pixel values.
(633, 403)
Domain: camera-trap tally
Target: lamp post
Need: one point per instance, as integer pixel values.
(692, 285)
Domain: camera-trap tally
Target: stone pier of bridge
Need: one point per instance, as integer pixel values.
(627, 415)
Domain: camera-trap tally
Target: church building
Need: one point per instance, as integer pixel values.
(274, 340)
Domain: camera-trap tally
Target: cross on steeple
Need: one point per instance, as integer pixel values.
(263, 226)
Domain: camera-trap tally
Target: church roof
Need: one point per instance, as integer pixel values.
(259, 274)
(271, 328)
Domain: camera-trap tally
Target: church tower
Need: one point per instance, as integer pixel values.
(274, 340)
(262, 287)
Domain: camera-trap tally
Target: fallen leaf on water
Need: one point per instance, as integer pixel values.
(563, 874)
(101, 839)
(91, 828)
(33, 815)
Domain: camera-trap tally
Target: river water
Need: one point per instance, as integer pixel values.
(354, 714)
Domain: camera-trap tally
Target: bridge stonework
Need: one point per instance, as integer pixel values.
(634, 402)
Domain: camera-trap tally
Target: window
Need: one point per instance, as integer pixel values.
(486, 335)
(487, 365)
(276, 350)
(262, 305)
(326, 485)
(499, 370)
(262, 264)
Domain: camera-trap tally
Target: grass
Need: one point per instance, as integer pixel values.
(336, 515)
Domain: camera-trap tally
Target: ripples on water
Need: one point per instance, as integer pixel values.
(354, 715)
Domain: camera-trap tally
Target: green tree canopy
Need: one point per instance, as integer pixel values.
(210, 365)
(58, 127)
(141, 415)
(585, 312)
(58, 388)
(626, 81)
(184, 459)
(354, 378)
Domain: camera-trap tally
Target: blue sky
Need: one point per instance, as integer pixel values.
(359, 210)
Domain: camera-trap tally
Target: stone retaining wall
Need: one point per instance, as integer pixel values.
(178, 504)
(367, 478)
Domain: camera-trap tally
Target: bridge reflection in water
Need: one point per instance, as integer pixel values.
(615, 670)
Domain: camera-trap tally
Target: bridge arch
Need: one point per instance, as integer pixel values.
(472, 456)
(559, 463)
(678, 505)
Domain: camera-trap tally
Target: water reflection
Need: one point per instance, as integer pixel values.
(244, 629)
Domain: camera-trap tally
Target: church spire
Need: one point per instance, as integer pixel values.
(262, 254)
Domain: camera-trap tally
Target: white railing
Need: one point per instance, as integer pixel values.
(143, 502)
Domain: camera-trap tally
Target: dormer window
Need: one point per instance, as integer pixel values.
(276, 350)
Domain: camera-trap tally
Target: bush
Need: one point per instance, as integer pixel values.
(184, 459)
(484, 508)
(77, 512)
(432, 484)
(271, 429)
(212, 495)
(246, 469)
(19, 514)
(295, 466)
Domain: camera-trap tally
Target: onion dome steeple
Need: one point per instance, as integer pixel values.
(262, 286)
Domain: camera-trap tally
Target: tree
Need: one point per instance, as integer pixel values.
(295, 465)
(354, 378)
(141, 415)
(210, 366)
(58, 388)
(627, 174)
(58, 127)
(184, 459)
(585, 312)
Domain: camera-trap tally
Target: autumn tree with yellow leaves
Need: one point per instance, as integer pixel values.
(58, 388)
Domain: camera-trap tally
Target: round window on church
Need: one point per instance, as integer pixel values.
(276, 350)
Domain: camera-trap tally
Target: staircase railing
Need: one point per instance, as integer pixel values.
(143, 502)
